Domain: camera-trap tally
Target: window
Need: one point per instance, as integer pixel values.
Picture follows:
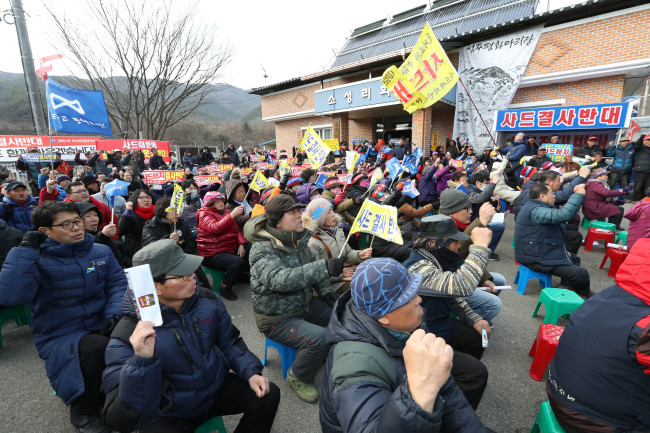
(323, 131)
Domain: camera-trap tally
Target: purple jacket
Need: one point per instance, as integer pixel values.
(427, 186)
(639, 216)
(443, 175)
(595, 206)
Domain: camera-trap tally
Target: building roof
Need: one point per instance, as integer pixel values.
(455, 23)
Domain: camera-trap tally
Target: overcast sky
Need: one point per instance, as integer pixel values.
(289, 38)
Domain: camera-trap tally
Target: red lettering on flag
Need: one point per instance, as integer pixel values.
(420, 76)
(402, 92)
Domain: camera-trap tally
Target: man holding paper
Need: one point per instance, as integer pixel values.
(175, 376)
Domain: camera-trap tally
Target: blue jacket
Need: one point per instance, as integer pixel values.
(538, 233)
(623, 158)
(516, 150)
(19, 217)
(195, 348)
(364, 387)
(70, 289)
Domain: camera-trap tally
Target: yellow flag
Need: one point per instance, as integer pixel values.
(378, 220)
(176, 203)
(315, 148)
(284, 168)
(426, 75)
(332, 143)
(259, 182)
(376, 175)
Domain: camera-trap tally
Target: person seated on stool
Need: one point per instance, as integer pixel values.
(601, 201)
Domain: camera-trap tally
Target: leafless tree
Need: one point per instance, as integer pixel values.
(154, 64)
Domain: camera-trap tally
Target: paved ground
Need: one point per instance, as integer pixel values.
(509, 404)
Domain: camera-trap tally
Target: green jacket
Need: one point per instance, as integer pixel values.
(284, 273)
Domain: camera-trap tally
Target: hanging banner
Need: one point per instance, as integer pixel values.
(491, 70)
(378, 220)
(207, 180)
(155, 177)
(11, 146)
(146, 146)
(426, 75)
(218, 168)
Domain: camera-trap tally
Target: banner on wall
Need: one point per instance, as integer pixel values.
(491, 70)
(11, 146)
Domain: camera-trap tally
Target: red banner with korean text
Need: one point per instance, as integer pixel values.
(219, 168)
(13, 145)
(297, 171)
(154, 177)
(127, 145)
(207, 180)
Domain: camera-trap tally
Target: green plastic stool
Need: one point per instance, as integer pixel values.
(513, 242)
(602, 225)
(622, 236)
(557, 302)
(217, 278)
(546, 421)
(586, 222)
(213, 425)
(20, 315)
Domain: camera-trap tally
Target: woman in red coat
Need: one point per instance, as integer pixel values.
(221, 241)
(600, 201)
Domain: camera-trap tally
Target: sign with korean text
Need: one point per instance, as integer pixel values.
(219, 168)
(11, 146)
(426, 75)
(596, 116)
(259, 182)
(155, 177)
(378, 220)
(297, 171)
(558, 151)
(146, 146)
(332, 143)
(38, 157)
(315, 148)
(207, 180)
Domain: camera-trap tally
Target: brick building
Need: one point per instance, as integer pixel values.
(594, 52)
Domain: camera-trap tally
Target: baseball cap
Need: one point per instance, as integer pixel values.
(382, 285)
(165, 257)
(13, 185)
(624, 138)
(647, 137)
(295, 181)
(281, 204)
(593, 137)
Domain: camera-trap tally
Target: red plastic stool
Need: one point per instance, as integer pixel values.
(617, 258)
(595, 235)
(543, 349)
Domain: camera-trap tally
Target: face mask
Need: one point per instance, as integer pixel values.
(194, 193)
(483, 187)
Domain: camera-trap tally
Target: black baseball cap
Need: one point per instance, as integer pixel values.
(13, 185)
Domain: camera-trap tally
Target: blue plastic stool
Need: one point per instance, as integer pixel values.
(524, 275)
(504, 205)
(288, 354)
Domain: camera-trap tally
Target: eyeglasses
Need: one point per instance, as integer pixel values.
(144, 197)
(67, 225)
(185, 278)
(80, 192)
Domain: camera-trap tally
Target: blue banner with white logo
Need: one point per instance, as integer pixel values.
(394, 167)
(73, 110)
(117, 187)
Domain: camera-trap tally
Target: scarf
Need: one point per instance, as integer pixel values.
(431, 244)
(449, 260)
(460, 225)
(145, 212)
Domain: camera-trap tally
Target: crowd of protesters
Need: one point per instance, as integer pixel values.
(399, 328)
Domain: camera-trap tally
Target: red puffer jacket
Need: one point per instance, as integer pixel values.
(218, 233)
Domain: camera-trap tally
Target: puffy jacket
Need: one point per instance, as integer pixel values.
(103, 209)
(523, 196)
(596, 205)
(304, 193)
(17, 216)
(195, 349)
(623, 158)
(584, 150)
(156, 162)
(517, 150)
(443, 176)
(641, 158)
(218, 233)
(478, 196)
(9, 238)
(70, 288)
(32, 169)
(284, 273)
(137, 163)
(156, 229)
(98, 236)
(611, 331)
(639, 216)
(364, 387)
(538, 235)
(130, 226)
(231, 186)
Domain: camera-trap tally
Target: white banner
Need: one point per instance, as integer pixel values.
(491, 70)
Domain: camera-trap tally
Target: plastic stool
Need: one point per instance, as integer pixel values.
(212, 425)
(217, 278)
(504, 205)
(586, 222)
(543, 349)
(524, 274)
(622, 236)
(596, 234)
(20, 315)
(557, 303)
(288, 354)
(513, 242)
(617, 258)
(546, 421)
(601, 224)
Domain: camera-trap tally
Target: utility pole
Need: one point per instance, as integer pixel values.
(31, 81)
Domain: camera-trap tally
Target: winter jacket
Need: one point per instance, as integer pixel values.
(538, 234)
(231, 186)
(98, 236)
(218, 232)
(205, 158)
(401, 151)
(9, 238)
(584, 150)
(641, 158)
(365, 387)
(623, 158)
(443, 176)
(190, 208)
(234, 157)
(156, 229)
(32, 169)
(130, 225)
(348, 210)
(505, 192)
(17, 216)
(136, 163)
(70, 288)
(516, 150)
(478, 196)
(523, 196)
(189, 162)
(304, 193)
(327, 244)
(195, 349)
(611, 331)
(62, 167)
(596, 205)
(119, 203)
(537, 162)
(284, 273)
(156, 162)
(98, 165)
(639, 216)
